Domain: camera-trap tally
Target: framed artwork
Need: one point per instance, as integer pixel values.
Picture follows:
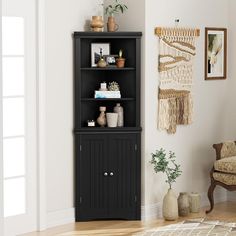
(215, 53)
(98, 50)
(111, 59)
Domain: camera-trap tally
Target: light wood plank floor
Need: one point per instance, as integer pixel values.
(223, 211)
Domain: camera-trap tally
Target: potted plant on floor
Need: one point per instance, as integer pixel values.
(167, 165)
(110, 10)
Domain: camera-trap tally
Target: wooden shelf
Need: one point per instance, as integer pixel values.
(106, 68)
(107, 129)
(106, 99)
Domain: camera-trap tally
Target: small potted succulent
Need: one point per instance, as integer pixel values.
(167, 165)
(110, 10)
(120, 61)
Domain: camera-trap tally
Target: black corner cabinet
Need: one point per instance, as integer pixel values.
(107, 160)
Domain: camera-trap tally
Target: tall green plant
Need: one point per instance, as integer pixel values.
(115, 8)
(166, 165)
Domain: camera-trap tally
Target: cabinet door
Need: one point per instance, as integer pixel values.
(124, 176)
(92, 182)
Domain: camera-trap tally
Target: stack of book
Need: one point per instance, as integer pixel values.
(107, 94)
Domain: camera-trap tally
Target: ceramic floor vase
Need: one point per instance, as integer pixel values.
(194, 202)
(170, 206)
(183, 204)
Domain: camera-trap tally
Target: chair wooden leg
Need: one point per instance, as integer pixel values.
(211, 196)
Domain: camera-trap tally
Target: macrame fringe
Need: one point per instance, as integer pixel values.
(175, 111)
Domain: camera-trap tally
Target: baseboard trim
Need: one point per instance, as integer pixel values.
(231, 196)
(154, 211)
(60, 217)
(148, 212)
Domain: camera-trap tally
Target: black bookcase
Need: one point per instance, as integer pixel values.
(107, 160)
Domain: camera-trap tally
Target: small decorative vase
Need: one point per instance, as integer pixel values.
(170, 206)
(97, 24)
(120, 62)
(120, 111)
(194, 202)
(103, 86)
(101, 63)
(183, 204)
(111, 24)
(101, 120)
(112, 119)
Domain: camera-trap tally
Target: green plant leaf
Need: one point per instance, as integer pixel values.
(166, 165)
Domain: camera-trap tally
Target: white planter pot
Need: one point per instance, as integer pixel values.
(112, 119)
(170, 206)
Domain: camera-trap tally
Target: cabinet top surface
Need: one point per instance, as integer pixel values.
(107, 34)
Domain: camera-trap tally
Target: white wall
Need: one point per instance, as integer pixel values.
(62, 18)
(232, 67)
(212, 101)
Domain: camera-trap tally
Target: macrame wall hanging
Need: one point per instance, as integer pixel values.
(176, 53)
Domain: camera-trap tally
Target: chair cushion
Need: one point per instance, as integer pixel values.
(227, 165)
(227, 179)
(228, 149)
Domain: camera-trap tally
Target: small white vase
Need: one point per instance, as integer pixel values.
(112, 119)
(170, 206)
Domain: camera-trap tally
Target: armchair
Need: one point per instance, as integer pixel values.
(223, 172)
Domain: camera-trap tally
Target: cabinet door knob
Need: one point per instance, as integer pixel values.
(105, 174)
(111, 173)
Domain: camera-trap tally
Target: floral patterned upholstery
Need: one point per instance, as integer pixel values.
(227, 164)
(227, 179)
(228, 149)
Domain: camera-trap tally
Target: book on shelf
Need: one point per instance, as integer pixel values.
(107, 94)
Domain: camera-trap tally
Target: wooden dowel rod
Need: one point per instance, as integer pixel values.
(158, 31)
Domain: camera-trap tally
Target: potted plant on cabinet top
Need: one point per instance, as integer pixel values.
(167, 165)
(110, 10)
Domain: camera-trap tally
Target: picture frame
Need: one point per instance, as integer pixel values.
(98, 50)
(215, 53)
(110, 60)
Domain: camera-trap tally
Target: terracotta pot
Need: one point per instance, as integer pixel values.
(97, 24)
(120, 62)
(183, 204)
(111, 24)
(170, 206)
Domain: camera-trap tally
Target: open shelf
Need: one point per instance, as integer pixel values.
(107, 68)
(107, 129)
(106, 99)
